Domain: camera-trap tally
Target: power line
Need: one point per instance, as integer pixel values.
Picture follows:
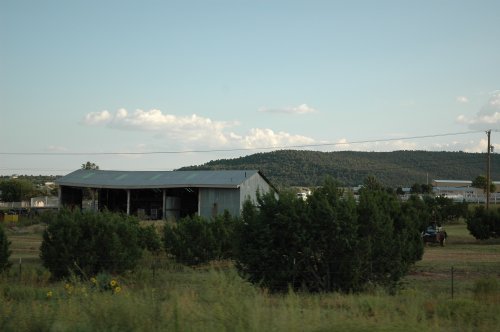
(236, 149)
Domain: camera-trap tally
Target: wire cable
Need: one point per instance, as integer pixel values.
(237, 149)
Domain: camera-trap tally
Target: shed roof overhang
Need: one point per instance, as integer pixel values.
(156, 179)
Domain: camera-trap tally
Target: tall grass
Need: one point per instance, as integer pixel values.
(214, 299)
(162, 295)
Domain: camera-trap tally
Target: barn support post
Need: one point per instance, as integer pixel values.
(128, 201)
(164, 205)
(93, 193)
(59, 194)
(199, 203)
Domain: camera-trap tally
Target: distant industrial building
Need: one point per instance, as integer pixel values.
(460, 190)
(163, 194)
(455, 189)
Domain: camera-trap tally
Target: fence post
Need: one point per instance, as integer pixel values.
(20, 268)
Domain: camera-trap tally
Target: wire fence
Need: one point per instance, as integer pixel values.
(450, 281)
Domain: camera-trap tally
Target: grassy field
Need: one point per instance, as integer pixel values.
(471, 260)
(25, 242)
(164, 296)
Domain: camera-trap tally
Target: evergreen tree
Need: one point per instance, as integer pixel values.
(377, 210)
(484, 224)
(333, 242)
(4, 250)
(87, 243)
(16, 190)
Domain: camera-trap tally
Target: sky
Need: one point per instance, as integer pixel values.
(158, 85)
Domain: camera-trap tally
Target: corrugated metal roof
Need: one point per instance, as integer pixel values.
(156, 179)
(453, 181)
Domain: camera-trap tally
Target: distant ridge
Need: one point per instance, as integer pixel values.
(399, 168)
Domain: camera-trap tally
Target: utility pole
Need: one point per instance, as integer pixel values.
(488, 180)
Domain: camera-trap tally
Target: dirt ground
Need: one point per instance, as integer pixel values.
(25, 241)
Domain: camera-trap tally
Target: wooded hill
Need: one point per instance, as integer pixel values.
(286, 168)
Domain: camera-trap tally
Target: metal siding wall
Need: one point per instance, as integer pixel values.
(250, 187)
(226, 199)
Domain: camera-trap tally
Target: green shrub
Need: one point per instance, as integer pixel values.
(223, 228)
(327, 243)
(288, 243)
(484, 224)
(4, 250)
(190, 241)
(86, 243)
(149, 239)
(46, 217)
(195, 240)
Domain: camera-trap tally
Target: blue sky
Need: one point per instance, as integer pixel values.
(172, 76)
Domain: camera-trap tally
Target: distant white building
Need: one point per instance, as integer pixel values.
(460, 190)
(44, 201)
(457, 190)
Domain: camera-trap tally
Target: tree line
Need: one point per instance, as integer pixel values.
(287, 168)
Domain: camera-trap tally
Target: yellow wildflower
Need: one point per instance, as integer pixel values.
(93, 280)
(69, 288)
(49, 294)
(113, 283)
(117, 289)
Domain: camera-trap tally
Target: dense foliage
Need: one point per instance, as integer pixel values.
(195, 240)
(86, 243)
(37, 180)
(328, 243)
(4, 250)
(484, 224)
(442, 209)
(480, 182)
(149, 239)
(287, 168)
(89, 165)
(15, 190)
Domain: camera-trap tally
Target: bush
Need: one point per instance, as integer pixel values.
(86, 243)
(327, 243)
(190, 241)
(4, 250)
(223, 228)
(149, 239)
(195, 240)
(484, 224)
(271, 241)
(288, 243)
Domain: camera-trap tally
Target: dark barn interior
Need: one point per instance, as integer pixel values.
(147, 204)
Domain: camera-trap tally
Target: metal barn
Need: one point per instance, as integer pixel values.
(164, 194)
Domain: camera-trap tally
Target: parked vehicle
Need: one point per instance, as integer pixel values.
(434, 234)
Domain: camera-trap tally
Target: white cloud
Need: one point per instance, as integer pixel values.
(193, 131)
(301, 109)
(187, 128)
(462, 99)
(477, 146)
(268, 138)
(481, 122)
(488, 116)
(200, 133)
(344, 145)
(96, 118)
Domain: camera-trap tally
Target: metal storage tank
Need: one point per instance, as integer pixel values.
(172, 208)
